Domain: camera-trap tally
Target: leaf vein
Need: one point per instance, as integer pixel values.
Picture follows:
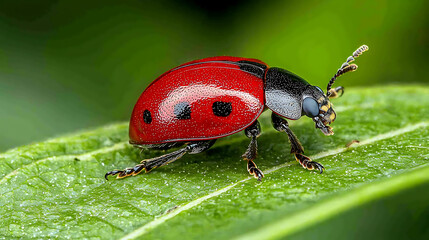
(82, 157)
(326, 209)
(158, 221)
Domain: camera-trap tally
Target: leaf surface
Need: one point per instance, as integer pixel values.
(56, 188)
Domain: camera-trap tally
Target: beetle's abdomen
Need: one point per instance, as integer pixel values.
(197, 102)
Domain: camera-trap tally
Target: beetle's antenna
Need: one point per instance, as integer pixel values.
(346, 67)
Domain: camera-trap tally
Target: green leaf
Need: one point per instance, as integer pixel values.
(56, 189)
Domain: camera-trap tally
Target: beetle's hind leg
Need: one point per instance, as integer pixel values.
(149, 164)
(252, 132)
(282, 125)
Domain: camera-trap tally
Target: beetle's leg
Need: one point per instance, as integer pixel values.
(252, 132)
(336, 92)
(149, 164)
(282, 125)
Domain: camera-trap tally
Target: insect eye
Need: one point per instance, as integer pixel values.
(310, 107)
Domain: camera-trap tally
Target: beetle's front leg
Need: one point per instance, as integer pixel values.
(336, 92)
(282, 125)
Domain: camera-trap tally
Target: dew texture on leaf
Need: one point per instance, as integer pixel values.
(56, 188)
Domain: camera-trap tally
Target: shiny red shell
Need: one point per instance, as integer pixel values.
(198, 85)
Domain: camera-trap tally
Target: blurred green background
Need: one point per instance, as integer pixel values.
(70, 65)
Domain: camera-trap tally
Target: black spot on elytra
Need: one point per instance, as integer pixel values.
(222, 109)
(254, 68)
(147, 116)
(182, 110)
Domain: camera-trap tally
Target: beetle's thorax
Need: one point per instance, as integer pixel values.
(283, 92)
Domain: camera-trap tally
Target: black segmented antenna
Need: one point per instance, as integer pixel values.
(346, 67)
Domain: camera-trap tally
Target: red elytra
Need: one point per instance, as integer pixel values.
(193, 88)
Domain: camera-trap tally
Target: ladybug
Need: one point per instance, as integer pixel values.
(198, 102)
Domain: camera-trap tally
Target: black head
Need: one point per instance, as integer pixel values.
(291, 96)
(316, 105)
